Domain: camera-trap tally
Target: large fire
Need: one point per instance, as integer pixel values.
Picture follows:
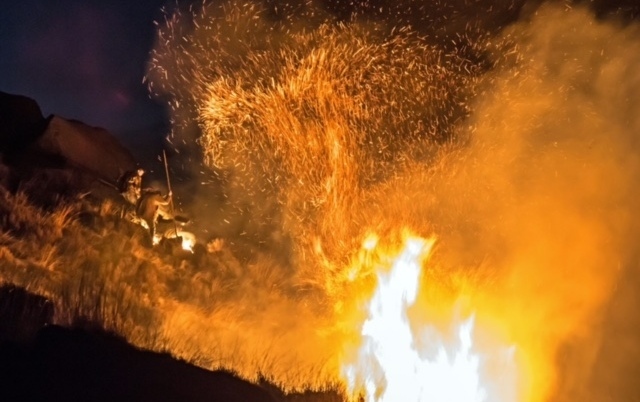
(518, 150)
(518, 147)
(401, 359)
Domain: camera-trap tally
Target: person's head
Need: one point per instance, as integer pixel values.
(140, 172)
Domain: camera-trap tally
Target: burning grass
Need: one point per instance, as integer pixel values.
(201, 306)
(327, 135)
(515, 159)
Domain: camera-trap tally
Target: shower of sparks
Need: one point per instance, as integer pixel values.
(321, 131)
(311, 118)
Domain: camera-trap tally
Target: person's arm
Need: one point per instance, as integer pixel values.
(167, 198)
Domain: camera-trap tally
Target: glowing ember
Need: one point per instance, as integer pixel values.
(394, 365)
(188, 243)
(188, 238)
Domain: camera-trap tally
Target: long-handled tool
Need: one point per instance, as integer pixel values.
(173, 212)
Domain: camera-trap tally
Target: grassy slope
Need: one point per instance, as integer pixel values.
(94, 267)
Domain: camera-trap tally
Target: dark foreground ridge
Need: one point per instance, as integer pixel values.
(40, 361)
(78, 365)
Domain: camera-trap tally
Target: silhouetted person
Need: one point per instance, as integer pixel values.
(152, 205)
(130, 185)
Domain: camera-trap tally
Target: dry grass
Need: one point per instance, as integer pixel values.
(526, 173)
(303, 125)
(206, 308)
(326, 134)
(307, 129)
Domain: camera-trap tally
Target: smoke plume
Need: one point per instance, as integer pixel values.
(521, 161)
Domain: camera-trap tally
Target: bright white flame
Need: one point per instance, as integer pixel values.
(188, 238)
(188, 241)
(393, 365)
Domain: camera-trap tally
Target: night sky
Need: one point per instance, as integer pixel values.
(84, 60)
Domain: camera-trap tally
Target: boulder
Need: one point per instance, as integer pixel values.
(55, 149)
(21, 122)
(90, 149)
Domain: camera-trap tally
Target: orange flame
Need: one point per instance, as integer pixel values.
(188, 238)
(393, 364)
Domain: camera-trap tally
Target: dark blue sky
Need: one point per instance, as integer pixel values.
(83, 59)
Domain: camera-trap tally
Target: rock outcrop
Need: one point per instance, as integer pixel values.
(80, 146)
(57, 148)
(21, 122)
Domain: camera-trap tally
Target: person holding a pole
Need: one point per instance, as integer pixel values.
(153, 205)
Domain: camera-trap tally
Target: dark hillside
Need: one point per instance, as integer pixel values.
(80, 286)
(40, 361)
(79, 365)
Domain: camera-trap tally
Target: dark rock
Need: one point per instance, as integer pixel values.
(79, 365)
(90, 149)
(21, 122)
(66, 154)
